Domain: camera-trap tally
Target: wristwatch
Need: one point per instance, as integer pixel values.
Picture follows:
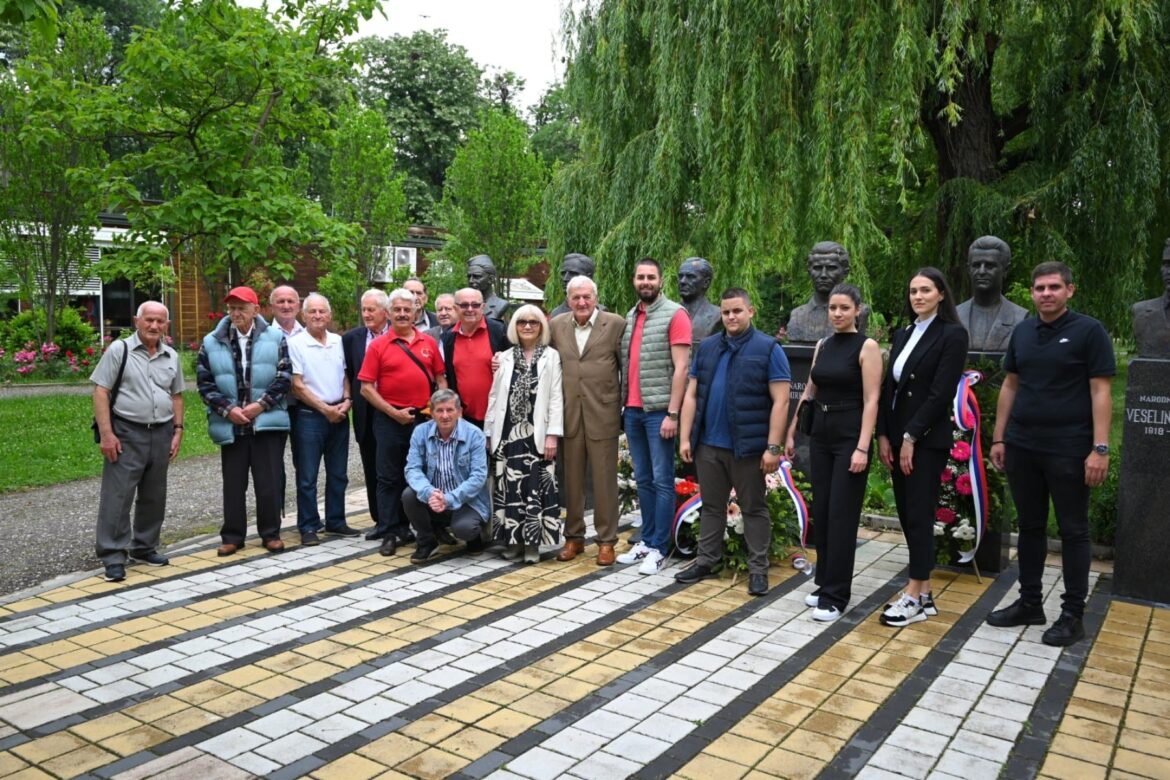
(774, 449)
(906, 437)
(1101, 449)
(672, 415)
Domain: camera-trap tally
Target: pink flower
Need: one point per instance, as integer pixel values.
(947, 475)
(944, 515)
(961, 450)
(963, 485)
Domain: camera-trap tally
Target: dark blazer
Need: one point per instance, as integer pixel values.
(927, 389)
(497, 337)
(353, 344)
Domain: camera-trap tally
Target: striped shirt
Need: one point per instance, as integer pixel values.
(447, 479)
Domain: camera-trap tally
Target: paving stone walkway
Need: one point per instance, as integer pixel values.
(334, 662)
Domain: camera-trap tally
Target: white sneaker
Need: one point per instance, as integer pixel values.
(652, 563)
(827, 615)
(905, 612)
(891, 609)
(812, 600)
(635, 554)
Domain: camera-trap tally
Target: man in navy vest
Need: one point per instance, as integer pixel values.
(732, 431)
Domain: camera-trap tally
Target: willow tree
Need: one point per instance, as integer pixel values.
(748, 131)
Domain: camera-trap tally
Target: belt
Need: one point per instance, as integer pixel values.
(147, 426)
(841, 407)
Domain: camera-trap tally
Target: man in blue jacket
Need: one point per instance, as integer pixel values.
(244, 373)
(446, 470)
(733, 431)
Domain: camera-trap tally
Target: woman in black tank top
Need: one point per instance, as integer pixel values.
(844, 385)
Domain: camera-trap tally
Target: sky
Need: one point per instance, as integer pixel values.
(517, 35)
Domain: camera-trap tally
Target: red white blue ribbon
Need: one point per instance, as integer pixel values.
(967, 418)
(687, 514)
(797, 500)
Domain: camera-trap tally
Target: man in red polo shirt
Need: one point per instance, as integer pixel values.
(397, 375)
(467, 349)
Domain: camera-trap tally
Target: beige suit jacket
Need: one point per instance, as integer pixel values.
(592, 379)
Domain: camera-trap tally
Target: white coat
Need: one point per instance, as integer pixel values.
(547, 414)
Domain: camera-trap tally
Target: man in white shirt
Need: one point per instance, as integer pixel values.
(322, 429)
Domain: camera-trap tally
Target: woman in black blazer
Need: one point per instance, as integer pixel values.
(914, 427)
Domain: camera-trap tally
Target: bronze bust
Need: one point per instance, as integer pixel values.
(481, 275)
(694, 279)
(1151, 319)
(574, 264)
(828, 265)
(988, 316)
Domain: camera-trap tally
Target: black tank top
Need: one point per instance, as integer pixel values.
(837, 373)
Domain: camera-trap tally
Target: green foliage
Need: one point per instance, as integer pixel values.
(902, 130)
(1103, 503)
(40, 15)
(51, 156)
(444, 275)
(341, 286)
(879, 492)
(73, 334)
(491, 200)
(209, 95)
(500, 89)
(428, 90)
(554, 128)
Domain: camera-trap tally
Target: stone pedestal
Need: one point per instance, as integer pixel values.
(1142, 548)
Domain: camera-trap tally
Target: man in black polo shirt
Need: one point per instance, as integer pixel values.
(1052, 438)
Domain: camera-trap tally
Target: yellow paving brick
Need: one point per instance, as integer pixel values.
(1082, 749)
(849, 707)
(154, 709)
(472, 743)
(185, 721)
(1144, 743)
(789, 710)
(38, 751)
(831, 725)
(1149, 705)
(533, 678)
(539, 705)
(314, 671)
(559, 663)
(789, 764)
(1063, 767)
(1115, 665)
(509, 722)
(705, 767)
(468, 709)
(10, 763)
(1089, 729)
(587, 651)
(31, 773)
(391, 749)
(433, 764)
(232, 704)
(762, 730)
(135, 740)
(75, 658)
(824, 681)
(384, 645)
(1142, 764)
(869, 691)
(816, 746)
(432, 729)
(1094, 710)
(78, 762)
(29, 671)
(274, 687)
(738, 749)
(597, 675)
(569, 689)
(502, 692)
(244, 676)
(1108, 679)
(1150, 724)
(106, 726)
(351, 767)
(201, 692)
(1100, 693)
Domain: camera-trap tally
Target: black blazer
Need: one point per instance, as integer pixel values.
(353, 344)
(927, 389)
(497, 337)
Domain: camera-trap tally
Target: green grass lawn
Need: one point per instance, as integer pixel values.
(50, 441)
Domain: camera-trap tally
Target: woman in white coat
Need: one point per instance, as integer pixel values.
(523, 425)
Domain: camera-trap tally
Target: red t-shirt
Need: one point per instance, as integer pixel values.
(400, 382)
(473, 369)
(678, 333)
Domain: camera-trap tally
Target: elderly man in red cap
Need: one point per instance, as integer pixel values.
(244, 374)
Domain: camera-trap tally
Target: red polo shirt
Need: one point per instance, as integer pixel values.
(473, 369)
(400, 382)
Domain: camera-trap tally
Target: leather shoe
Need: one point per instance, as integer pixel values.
(757, 584)
(694, 573)
(274, 545)
(1067, 630)
(344, 530)
(389, 545)
(227, 549)
(423, 551)
(310, 539)
(1017, 614)
(605, 554)
(375, 535)
(573, 548)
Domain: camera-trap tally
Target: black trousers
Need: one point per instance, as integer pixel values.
(368, 449)
(917, 499)
(464, 522)
(262, 454)
(393, 445)
(1034, 478)
(837, 498)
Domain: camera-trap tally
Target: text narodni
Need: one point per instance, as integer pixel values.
(1154, 422)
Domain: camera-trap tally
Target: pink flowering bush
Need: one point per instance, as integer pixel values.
(954, 519)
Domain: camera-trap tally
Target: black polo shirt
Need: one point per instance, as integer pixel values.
(1053, 409)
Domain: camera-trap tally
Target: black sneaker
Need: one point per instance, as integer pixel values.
(695, 573)
(374, 536)
(1017, 614)
(115, 572)
(151, 558)
(1068, 629)
(310, 539)
(757, 584)
(344, 530)
(423, 551)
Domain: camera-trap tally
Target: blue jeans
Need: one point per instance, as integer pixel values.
(654, 471)
(317, 439)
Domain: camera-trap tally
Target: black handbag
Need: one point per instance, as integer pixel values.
(97, 435)
(804, 417)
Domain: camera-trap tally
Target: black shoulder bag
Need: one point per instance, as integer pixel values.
(97, 435)
(805, 411)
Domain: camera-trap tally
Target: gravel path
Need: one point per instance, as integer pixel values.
(53, 528)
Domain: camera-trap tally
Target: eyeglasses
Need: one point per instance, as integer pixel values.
(527, 323)
(467, 305)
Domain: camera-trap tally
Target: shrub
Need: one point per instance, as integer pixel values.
(73, 335)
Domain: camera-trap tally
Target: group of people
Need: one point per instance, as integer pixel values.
(476, 422)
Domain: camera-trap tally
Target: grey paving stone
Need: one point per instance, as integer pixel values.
(658, 689)
(604, 766)
(665, 726)
(918, 740)
(321, 706)
(993, 726)
(969, 767)
(255, 764)
(934, 722)
(289, 748)
(902, 762)
(975, 744)
(279, 724)
(334, 728)
(376, 709)
(121, 689)
(639, 748)
(606, 724)
(539, 764)
(232, 743)
(962, 689)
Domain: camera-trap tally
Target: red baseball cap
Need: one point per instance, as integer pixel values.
(245, 294)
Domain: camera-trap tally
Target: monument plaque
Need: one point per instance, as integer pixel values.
(1142, 547)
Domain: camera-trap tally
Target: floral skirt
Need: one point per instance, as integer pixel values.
(526, 499)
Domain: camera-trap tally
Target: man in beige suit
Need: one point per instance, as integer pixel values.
(590, 343)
